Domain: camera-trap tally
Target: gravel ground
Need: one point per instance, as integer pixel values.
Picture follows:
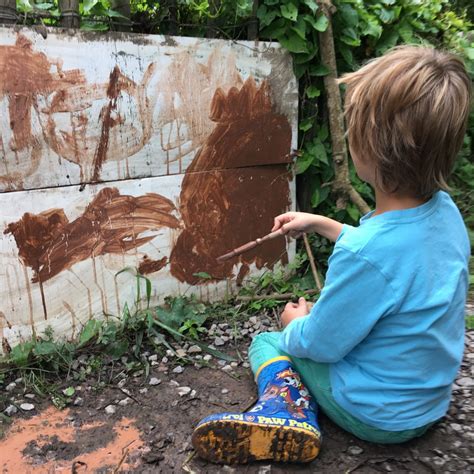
(184, 387)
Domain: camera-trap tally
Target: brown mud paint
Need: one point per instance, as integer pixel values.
(225, 199)
(24, 76)
(148, 266)
(51, 427)
(112, 223)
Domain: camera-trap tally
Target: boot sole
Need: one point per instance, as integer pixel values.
(232, 442)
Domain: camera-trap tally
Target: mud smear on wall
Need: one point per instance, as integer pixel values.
(148, 266)
(223, 202)
(48, 243)
(39, 93)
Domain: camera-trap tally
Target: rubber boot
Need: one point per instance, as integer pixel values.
(282, 426)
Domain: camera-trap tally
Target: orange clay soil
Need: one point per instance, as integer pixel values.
(120, 450)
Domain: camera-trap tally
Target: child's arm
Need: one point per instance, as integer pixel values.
(295, 223)
(355, 296)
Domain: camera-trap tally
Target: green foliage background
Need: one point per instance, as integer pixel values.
(362, 30)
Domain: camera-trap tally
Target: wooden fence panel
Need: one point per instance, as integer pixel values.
(148, 152)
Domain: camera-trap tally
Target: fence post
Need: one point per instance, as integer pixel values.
(252, 31)
(122, 7)
(70, 17)
(8, 11)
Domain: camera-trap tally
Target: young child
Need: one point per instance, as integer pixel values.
(379, 350)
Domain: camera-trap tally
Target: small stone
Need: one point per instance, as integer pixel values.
(165, 360)
(173, 383)
(121, 383)
(181, 353)
(234, 364)
(10, 410)
(110, 409)
(154, 381)
(27, 406)
(246, 365)
(78, 402)
(153, 358)
(178, 370)
(227, 368)
(195, 349)
(465, 382)
(125, 402)
(143, 390)
(207, 357)
(253, 320)
(182, 391)
(19, 380)
(439, 461)
(30, 396)
(225, 391)
(193, 393)
(355, 450)
(218, 341)
(10, 387)
(456, 427)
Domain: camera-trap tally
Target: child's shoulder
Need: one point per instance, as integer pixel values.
(436, 223)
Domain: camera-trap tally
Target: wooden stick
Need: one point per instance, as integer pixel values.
(312, 262)
(275, 296)
(249, 246)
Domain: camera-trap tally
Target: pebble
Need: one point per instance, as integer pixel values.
(125, 402)
(227, 368)
(207, 357)
(355, 450)
(110, 409)
(10, 410)
(78, 402)
(219, 341)
(154, 381)
(10, 387)
(153, 358)
(195, 349)
(181, 353)
(143, 390)
(465, 382)
(27, 406)
(225, 391)
(178, 370)
(182, 391)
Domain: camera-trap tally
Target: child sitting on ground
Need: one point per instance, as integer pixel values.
(380, 349)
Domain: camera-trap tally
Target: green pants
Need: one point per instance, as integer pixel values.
(316, 378)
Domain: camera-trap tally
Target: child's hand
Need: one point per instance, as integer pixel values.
(293, 311)
(294, 223)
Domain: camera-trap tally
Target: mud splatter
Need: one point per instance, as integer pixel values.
(25, 75)
(148, 266)
(234, 201)
(92, 446)
(48, 243)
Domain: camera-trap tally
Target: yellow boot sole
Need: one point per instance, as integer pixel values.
(231, 442)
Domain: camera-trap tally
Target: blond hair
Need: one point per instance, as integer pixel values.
(407, 113)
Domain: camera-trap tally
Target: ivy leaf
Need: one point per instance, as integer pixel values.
(44, 6)
(406, 31)
(89, 5)
(275, 30)
(24, 6)
(266, 16)
(306, 124)
(312, 92)
(320, 194)
(293, 43)
(372, 28)
(312, 5)
(90, 330)
(303, 163)
(300, 28)
(321, 24)
(353, 212)
(290, 12)
(319, 152)
(349, 15)
(350, 37)
(203, 275)
(346, 53)
(319, 70)
(94, 26)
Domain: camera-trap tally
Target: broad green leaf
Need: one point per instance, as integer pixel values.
(300, 28)
(319, 195)
(44, 6)
(350, 37)
(20, 353)
(90, 330)
(24, 6)
(319, 70)
(266, 16)
(289, 11)
(88, 5)
(69, 392)
(320, 152)
(293, 43)
(117, 349)
(303, 163)
(406, 31)
(306, 124)
(312, 92)
(45, 348)
(372, 28)
(321, 23)
(349, 15)
(94, 26)
(312, 5)
(115, 14)
(353, 212)
(346, 53)
(275, 30)
(203, 275)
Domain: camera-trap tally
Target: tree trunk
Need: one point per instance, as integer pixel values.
(122, 7)
(253, 25)
(70, 17)
(341, 186)
(8, 11)
(173, 9)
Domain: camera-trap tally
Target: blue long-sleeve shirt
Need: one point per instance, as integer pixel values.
(390, 318)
